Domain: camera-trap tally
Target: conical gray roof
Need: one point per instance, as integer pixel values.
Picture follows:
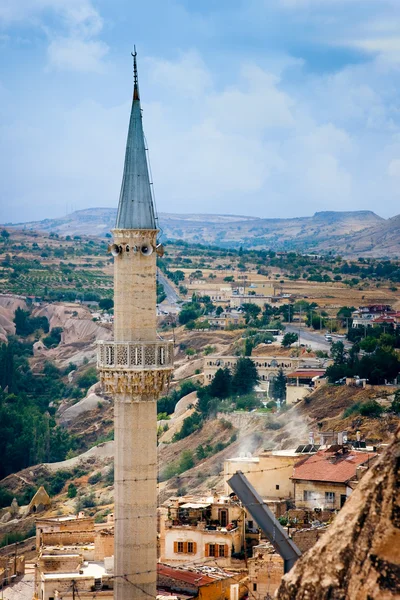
(135, 208)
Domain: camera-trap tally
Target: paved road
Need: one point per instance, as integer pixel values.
(170, 304)
(310, 338)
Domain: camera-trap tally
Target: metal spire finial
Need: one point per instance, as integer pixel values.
(135, 76)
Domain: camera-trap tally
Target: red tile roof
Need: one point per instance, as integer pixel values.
(306, 373)
(191, 577)
(331, 466)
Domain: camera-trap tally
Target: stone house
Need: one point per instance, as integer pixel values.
(200, 529)
(75, 556)
(265, 572)
(326, 479)
(270, 473)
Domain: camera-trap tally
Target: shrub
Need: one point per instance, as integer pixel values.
(95, 478)
(226, 424)
(6, 498)
(274, 425)
(56, 483)
(352, 410)
(72, 491)
(54, 338)
(88, 501)
(109, 478)
(209, 350)
(86, 380)
(371, 408)
(189, 426)
(186, 461)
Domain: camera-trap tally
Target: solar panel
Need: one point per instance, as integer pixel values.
(300, 449)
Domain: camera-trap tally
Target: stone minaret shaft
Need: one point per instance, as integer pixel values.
(134, 369)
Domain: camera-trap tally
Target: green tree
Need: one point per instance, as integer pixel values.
(248, 347)
(251, 311)
(338, 353)
(200, 453)
(221, 385)
(245, 376)
(87, 379)
(380, 367)
(21, 320)
(369, 344)
(289, 338)
(278, 386)
(106, 303)
(187, 314)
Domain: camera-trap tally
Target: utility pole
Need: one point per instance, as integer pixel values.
(299, 328)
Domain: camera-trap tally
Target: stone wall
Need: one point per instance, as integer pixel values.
(265, 572)
(306, 538)
(103, 544)
(67, 538)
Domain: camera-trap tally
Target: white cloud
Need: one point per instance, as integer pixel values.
(387, 49)
(251, 146)
(394, 168)
(72, 43)
(188, 74)
(76, 54)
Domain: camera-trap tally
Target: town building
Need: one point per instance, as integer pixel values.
(270, 473)
(200, 583)
(326, 479)
(200, 529)
(134, 369)
(63, 531)
(375, 314)
(75, 558)
(301, 382)
(265, 572)
(267, 366)
(227, 319)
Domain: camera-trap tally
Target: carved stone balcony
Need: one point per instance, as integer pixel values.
(135, 356)
(135, 371)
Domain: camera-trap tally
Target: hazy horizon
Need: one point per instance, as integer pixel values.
(201, 214)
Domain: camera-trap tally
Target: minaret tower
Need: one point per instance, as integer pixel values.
(134, 369)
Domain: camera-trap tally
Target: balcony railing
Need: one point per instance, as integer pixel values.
(135, 355)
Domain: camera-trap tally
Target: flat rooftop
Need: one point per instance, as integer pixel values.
(90, 569)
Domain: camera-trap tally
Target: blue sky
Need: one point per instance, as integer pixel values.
(272, 108)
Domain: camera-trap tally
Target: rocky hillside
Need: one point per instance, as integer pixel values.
(303, 233)
(382, 240)
(358, 558)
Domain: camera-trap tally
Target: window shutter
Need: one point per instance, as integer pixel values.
(176, 547)
(194, 547)
(226, 551)
(207, 550)
(185, 547)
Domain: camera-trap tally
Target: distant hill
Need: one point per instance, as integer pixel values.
(342, 232)
(381, 240)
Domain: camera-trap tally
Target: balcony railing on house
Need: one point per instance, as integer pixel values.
(135, 355)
